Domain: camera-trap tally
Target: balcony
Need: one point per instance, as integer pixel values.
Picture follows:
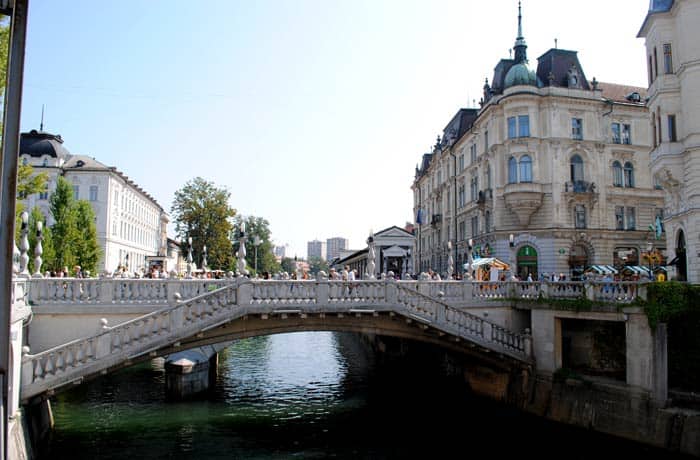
(579, 186)
(435, 219)
(523, 199)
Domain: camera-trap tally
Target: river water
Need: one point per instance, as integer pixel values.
(310, 395)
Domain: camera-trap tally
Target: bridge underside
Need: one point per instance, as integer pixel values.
(380, 323)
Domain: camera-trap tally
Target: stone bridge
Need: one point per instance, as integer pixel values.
(175, 315)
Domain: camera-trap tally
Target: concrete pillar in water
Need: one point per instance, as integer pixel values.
(190, 372)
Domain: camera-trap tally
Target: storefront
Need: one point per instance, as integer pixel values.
(527, 262)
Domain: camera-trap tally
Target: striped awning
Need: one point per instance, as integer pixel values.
(638, 269)
(603, 269)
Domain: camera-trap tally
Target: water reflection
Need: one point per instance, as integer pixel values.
(307, 395)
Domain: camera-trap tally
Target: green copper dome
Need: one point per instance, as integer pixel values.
(520, 74)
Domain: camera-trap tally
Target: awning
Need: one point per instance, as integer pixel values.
(639, 269)
(487, 261)
(603, 269)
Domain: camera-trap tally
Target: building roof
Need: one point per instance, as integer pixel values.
(555, 66)
(84, 162)
(39, 143)
(655, 6)
(623, 93)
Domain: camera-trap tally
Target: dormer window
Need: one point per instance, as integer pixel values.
(80, 163)
(573, 78)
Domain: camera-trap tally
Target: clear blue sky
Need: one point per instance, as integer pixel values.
(313, 113)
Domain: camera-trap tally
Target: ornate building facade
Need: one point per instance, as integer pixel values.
(555, 159)
(131, 225)
(673, 56)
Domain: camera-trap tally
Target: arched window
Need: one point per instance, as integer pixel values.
(512, 170)
(617, 174)
(525, 168)
(580, 216)
(629, 175)
(576, 168)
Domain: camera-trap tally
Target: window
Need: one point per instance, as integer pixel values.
(472, 153)
(577, 129)
(512, 128)
(525, 168)
(475, 225)
(461, 162)
(659, 219)
(487, 221)
(580, 216)
(631, 218)
(460, 197)
(518, 126)
(474, 188)
(462, 231)
(626, 134)
(93, 193)
(668, 59)
(45, 163)
(76, 192)
(617, 174)
(512, 170)
(629, 175)
(523, 126)
(488, 176)
(44, 194)
(616, 139)
(619, 218)
(576, 169)
(657, 183)
(672, 128)
(656, 64)
(651, 73)
(486, 141)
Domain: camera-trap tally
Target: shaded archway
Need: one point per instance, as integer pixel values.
(578, 261)
(680, 261)
(527, 262)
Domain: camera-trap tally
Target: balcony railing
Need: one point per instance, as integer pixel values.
(579, 186)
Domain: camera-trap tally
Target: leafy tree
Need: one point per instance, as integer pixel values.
(260, 227)
(202, 211)
(64, 231)
(289, 265)
(28, 183)
(48, 255)
(4, 49)
(316, 264)
(87, 251)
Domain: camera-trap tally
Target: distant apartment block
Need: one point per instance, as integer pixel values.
(316, 248)
(334, 246)
(280, 251)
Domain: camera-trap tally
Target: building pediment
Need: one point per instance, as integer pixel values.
(393, 232)
(394, 251)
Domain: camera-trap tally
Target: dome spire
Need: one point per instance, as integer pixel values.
(520, 46)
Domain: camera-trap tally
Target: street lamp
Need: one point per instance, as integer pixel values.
(511, 244)
(189, 257)
(470, 246)
(650, 248)
(204, 257)
(256, 243)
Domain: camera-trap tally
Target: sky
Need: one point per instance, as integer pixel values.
(313, 114)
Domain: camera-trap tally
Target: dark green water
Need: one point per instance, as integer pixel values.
(310, 395)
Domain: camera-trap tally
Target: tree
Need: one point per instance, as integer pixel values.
(202, 211)
(48, 255)
(64, 231)
(88, 251)
(316, 264)
(260, 227)
(289, 265)
(28, 183)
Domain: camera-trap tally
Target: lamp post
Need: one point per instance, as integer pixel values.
(450, 261)
(24, 246)
(256, 243)
(204, 258)
(241, 251)
(470, 246)
(513, 269)
(189, 257)
(650, 248)
(38, 249)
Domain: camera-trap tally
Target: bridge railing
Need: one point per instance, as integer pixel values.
(122, 291)
(463, 324)
(70, 362)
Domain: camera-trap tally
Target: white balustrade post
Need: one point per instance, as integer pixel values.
(106, 291)
(487, 331)
(245, 294)
(589, 290)
(322, 293)
(27, 367)
(467, 290)
(172, 287)
(392, 293)
(104, 341)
